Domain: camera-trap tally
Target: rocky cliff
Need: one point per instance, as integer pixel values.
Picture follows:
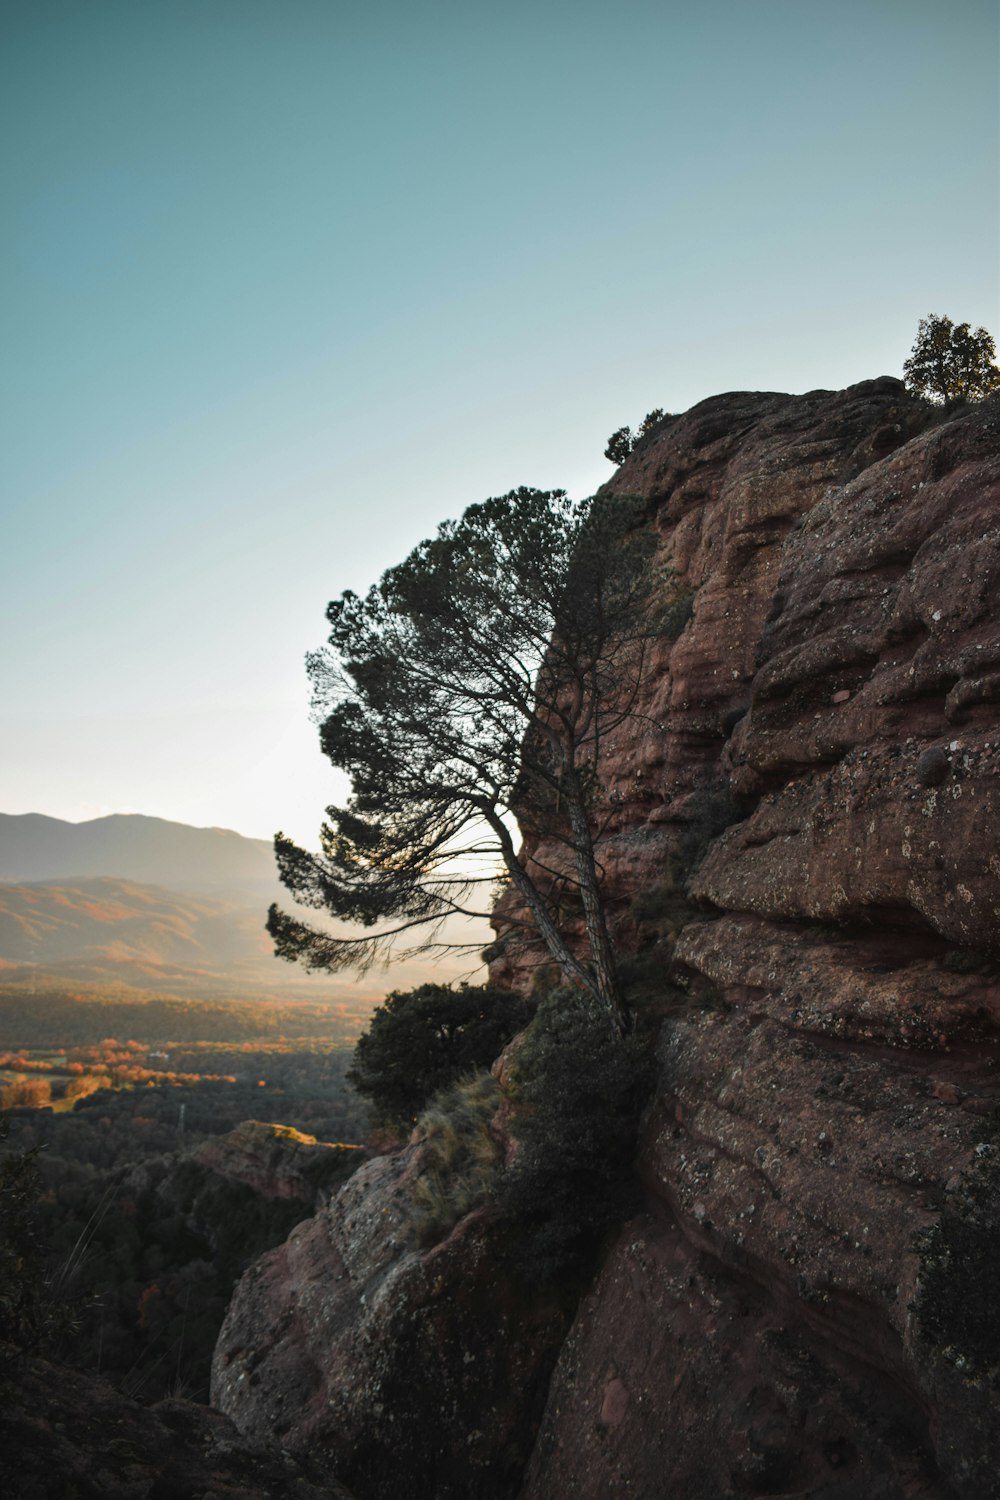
(276, 1161)
(403, 1369)
(801, 866)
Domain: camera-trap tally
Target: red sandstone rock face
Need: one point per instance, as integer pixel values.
(406, 1372)
(761, 1322)
(726, 485)
(799, 1312)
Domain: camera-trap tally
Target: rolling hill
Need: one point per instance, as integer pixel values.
(141, 901)
(107, 930)
(157, 905)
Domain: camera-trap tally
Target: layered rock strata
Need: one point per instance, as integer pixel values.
(810, 1306)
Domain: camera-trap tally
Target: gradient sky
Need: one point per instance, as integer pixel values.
(285, 284)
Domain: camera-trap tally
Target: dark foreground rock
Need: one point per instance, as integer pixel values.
(404, 1370)
(810, 1309)
(66, 1436)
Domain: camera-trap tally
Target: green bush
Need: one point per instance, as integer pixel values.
(422, 1040)
(579, 1092)
(619, 445)
(623, 439)
(675, 614)
(951, 363)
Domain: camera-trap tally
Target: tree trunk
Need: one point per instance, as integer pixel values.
(593, 908)
(553, 939)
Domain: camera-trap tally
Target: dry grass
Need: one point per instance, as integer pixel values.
(462, 1156)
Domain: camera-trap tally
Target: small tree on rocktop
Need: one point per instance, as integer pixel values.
(623, 439)
(468, 692)
(951, 363)
(649, 421)
(619, 445)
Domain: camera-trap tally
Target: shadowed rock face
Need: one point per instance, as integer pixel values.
(67, 1434)
(405, 1371)
(799, 845)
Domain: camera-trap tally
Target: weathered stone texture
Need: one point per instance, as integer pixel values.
(810, 1308)
(403, 1371)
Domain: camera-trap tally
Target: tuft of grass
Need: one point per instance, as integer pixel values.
(462, 1157)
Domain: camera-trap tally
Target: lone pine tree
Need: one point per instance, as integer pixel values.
(465, 695)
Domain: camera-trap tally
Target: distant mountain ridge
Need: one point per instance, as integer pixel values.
(107, 928)
(153, 904)
(130, 846)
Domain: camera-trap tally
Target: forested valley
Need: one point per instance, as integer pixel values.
(135, 1190)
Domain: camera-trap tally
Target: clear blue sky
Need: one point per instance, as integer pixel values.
(285, 284)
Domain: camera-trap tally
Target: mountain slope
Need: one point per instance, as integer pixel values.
(119, 930)
(144, 901)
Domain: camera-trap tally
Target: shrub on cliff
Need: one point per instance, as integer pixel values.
(420, 1041)
(951, 363)
(579, 1092)
(623, 439)
(619, 445)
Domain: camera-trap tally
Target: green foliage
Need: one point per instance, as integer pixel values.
(650, 420)
(623, 439)
(619, 445)
(462, 1157)
(420, 1041)
(107, 1234)
(950, 362)
(579, 1094)
(146, 1258)
(659, 913)
(674, 614)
